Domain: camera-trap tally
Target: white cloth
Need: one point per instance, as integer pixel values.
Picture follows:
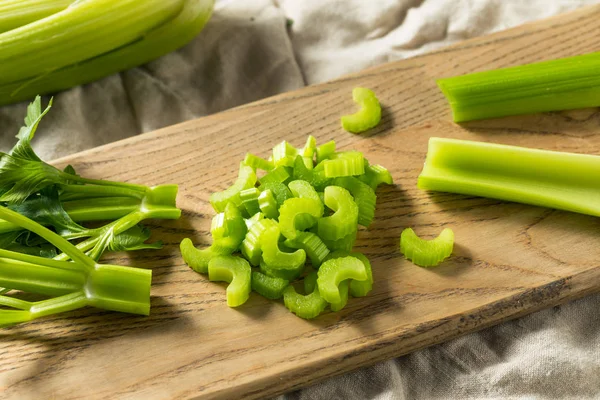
(247, 52)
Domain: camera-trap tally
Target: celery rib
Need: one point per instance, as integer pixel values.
(565, 181)
(561, 84)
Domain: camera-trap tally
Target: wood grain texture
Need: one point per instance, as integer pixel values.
(510, 259)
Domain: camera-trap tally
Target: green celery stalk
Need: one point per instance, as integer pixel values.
(561, 84)
(565, 181)
(16, 13)
(103, 37)
(74, 284)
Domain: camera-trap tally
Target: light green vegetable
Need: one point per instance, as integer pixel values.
(268, 204)
(251, 245)
(364, 197)
(376, 175)
(237, 272)
(267, 286)
(346, 163)
(299, 214)
(245, 180)
(256, 162)
(369, 114)
(312, 245)
(273, 257)
(561, 84)
(307, 306)
(52, 47)
(70, 284)
(336, 270)
(426, 253)
(565, 181)
(345, 217)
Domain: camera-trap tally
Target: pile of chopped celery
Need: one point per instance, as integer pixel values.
(45, 249)
(293, 218)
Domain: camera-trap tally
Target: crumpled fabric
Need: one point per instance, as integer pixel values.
(253, 49)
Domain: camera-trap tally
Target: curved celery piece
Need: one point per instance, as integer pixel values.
(249, 199)
(284, 154)
(334, 271)
(237, 272)
(287, 274)
(298, 214)
(273, 257)
(347, 163)
(369, 114)
(251, 245)
(312, 244)
(245, 180)
(268, 204)
(279, 190)
(279, 174)
(325, 150)
(310, 283)
(267, 286)
(364, 197)
(375, 175)
(426, 253)
(316, 176)
(256, 162)
(344, 244)
(344, 219)
(357, 288)
(228, 230)
(304, 306)
(305, 190)
(565, 181)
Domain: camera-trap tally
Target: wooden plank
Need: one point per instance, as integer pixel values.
(510, 259)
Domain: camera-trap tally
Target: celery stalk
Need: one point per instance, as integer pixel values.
(565, 181)
(148, 30)
(561, 84)
(16, 13)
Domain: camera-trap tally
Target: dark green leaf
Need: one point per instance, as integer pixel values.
(46, 209)
(133, 239)
(34, 115)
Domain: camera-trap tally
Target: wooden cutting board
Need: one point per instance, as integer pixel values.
(509, 260)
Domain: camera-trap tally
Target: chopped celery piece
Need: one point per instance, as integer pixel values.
(93, 39)
(279, 190)
(344, 220)
(334, 271)
(251, 248)
(345, 243)
(346, 163)
(325, 151)
(279, 174)
(364, 197)
(369, 114)
(249, 198)
(310, 148)
(316, 177)
(253, 219)
(298, 214)
(310, 283)
(561, 84)
(284, 154)
(287, 274)
(246, 179)
(275, 258)
(375, 175)
(228, 230)
(565, 181)
(237, 272)
(304, 190)
(312, 245)
(304, 306)
(268, 205)
(256, 162)
(268, 286)
(362, 288)
(426, 253)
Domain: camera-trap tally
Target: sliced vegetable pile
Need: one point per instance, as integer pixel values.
(51, 45)
(44, 248)
(299, 205)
